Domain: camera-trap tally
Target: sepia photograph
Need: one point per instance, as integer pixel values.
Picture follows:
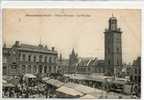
(71, 53)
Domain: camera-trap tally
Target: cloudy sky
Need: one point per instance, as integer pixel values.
(65, 29)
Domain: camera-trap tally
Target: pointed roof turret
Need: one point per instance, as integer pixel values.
(73, 51)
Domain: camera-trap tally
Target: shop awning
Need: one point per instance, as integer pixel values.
(8, 85)
(4, 81)
(54, 82)
(69, 91)
(97, 94)
(119, 82)
(29, 76)
(80, 87)
(45, 78)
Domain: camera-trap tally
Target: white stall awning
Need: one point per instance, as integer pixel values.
(29, 76)
(69, 91)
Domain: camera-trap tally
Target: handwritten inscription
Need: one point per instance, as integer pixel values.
(58, 15)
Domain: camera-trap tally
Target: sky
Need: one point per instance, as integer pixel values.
(65, 29)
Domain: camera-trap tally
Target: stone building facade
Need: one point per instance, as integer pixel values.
(135, 75)
(25, 58)
(6, 54)
(113, 48)
(63, 65)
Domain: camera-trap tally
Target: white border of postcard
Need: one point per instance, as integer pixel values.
(74, 4)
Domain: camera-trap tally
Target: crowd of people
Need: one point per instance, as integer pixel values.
(31, 88)
(37, 88)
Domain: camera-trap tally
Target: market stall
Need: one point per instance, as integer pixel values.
(79, 87)
(66, 92)
(30, 79)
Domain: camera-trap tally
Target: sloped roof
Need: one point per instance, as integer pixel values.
(93, 61)
(45, 78)
(94, 95)
(84, 62)
(8, 85)
(69, 91)
(54, 82)
(87, 61)
(79, 87)
(87, 96)
(35, 48)
(29, 76)
(4, 81)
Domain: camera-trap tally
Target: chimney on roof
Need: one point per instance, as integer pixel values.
(53, 48)
(17, 43)
(40, 45)
(46, 46)
(60, 57)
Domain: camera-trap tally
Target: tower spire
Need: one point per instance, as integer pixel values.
(73, 51)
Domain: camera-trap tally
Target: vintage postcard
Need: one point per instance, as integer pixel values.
(71, 53)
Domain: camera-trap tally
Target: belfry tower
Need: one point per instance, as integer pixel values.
(113, 48)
